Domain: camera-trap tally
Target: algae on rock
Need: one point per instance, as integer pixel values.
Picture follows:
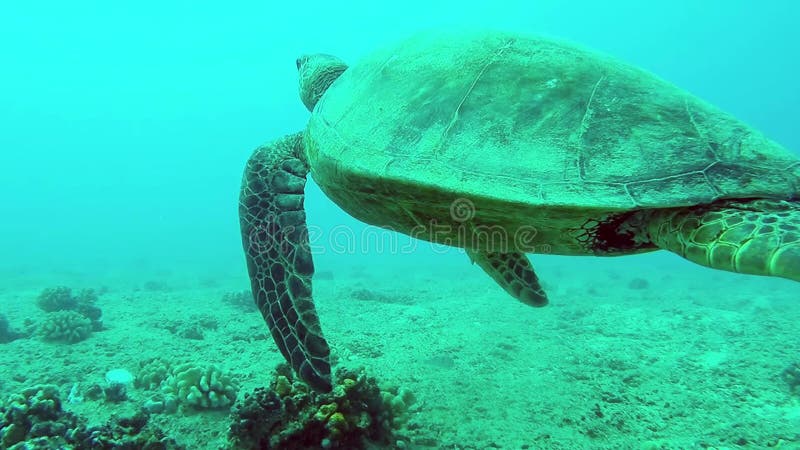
(356, 414)
(34, 419)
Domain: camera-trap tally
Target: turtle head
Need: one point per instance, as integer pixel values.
(317, 72)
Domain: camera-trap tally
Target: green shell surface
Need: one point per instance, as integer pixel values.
(534, 121)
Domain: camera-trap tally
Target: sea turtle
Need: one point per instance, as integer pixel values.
(505, 144)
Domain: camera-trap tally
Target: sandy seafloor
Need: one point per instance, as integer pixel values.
(691, 360)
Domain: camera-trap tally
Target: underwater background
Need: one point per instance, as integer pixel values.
(125, 129)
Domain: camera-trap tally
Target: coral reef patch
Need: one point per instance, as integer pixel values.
(356, 414)
(35, 419)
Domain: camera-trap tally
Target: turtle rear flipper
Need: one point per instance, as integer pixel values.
(275, 239)
(514, 273)
(759, 237)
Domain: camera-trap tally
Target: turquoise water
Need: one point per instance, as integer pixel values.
(125, 129)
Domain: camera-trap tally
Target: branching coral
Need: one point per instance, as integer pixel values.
(61, 299)
(56, 299)
(65, 326)
(34, 406)
(152, 372)
(201, 388)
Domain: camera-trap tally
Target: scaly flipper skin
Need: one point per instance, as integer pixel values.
(275, 239)
(514, 273)
(759, 237)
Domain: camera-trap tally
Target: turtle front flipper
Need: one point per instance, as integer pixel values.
(514, 273)
(275, 239)
(759, 237)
